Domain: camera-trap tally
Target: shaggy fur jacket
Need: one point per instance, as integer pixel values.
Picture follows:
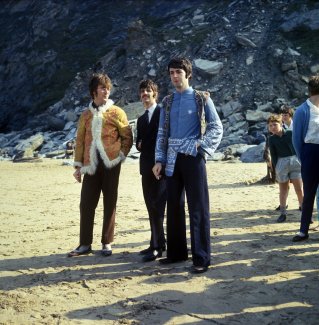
(105, 131)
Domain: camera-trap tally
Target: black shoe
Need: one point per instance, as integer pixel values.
(152, 256)
(150, 250)
(78, 251)
(198, 269)
(282, 218)
(171, 260)
(278, 207)
(146, 251)
(106, 252)
(298, 238)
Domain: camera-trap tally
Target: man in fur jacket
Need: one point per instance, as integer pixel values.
(103, 140)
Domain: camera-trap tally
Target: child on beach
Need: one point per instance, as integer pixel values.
(285, 162)
(287, 114)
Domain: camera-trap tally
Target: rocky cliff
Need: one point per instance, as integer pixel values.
(251, 55)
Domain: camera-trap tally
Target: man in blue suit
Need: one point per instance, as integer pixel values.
(154, 190)
(189, 128)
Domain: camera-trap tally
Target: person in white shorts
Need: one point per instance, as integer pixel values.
(285, 162)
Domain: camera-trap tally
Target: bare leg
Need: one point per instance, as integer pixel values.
(283, 194)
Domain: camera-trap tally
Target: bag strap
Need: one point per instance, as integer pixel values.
(201, 99)
(168, 100)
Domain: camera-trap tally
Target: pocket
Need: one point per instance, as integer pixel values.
(296, 163)
(277, 168)
(280, 166)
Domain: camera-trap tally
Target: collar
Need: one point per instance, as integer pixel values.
(187, 91)
(93, 108)
(151, 109)
(311, 105)
(284, 131)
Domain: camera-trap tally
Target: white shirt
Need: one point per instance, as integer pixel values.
(151, 111)
(312, 135)
(290, 127)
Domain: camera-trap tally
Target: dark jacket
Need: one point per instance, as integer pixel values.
(147, 134)
(281, 147)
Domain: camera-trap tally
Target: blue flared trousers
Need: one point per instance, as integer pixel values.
(310, 179)
(189, 177)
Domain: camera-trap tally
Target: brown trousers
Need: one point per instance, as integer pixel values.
(105, 180)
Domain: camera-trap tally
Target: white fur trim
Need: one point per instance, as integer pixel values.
(97, 144)
(77, 164)
(102, 108)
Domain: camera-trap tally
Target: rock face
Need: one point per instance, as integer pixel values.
(305, 21)
(209, 67)
(252, 56)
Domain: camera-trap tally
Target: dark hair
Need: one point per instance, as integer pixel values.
(284, 109)
(149, 84)
(313, 85)
(99, 79)
(181, 63)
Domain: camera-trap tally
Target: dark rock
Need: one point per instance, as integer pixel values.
(254, 154)
(25, 148)
(306, 21)
(245, 41)
(54, 123)
(288, 66)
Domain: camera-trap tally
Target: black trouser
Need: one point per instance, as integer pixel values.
(310, 179)
(105, 180)
(189, 174)
(154, 192)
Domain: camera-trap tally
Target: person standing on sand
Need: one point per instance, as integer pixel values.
(287, 114)
(189, 128)
(154, 191)
(285, 162)
(104, 138)
(306, 142)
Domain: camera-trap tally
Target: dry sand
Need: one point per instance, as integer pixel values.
(258, 276)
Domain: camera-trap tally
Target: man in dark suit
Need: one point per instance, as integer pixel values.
(154, 190)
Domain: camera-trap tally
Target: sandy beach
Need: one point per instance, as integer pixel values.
(258, 275)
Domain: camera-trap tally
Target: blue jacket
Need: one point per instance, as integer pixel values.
(301, 123)
(182, 131)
